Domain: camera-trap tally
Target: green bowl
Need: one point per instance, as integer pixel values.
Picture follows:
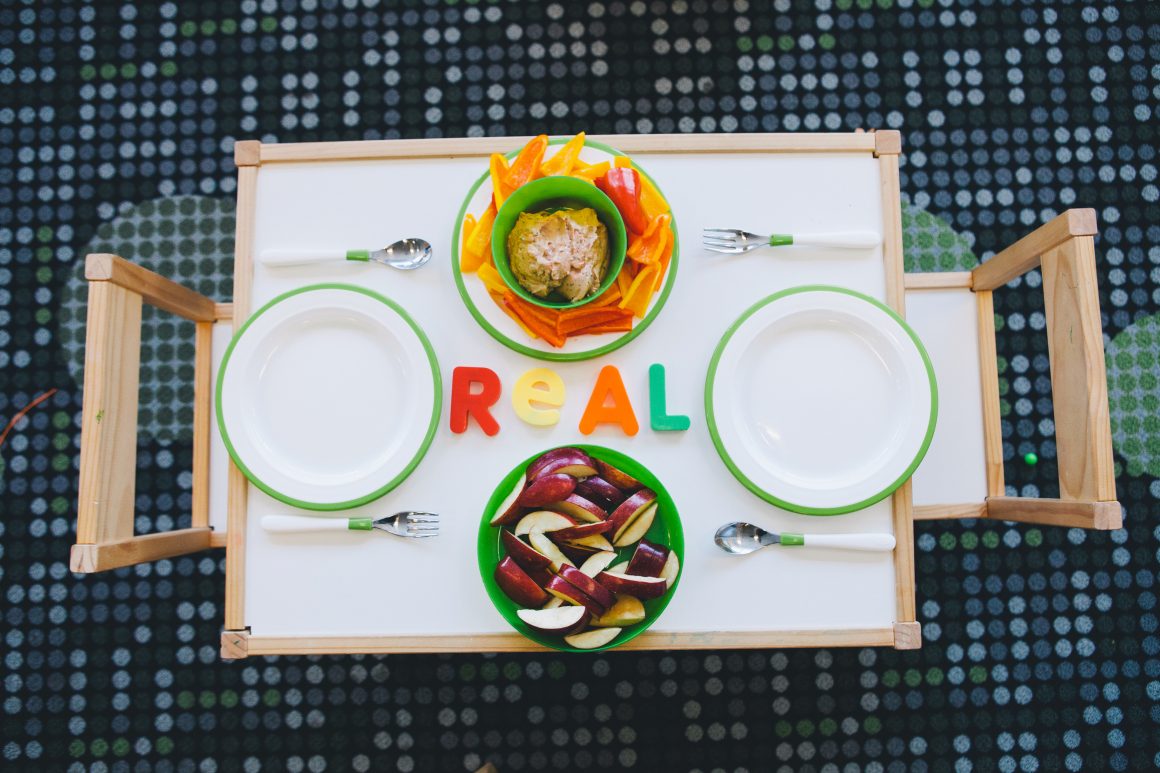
(665, 530)
(550, 193)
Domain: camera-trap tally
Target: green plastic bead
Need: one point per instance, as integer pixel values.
(1031, 458)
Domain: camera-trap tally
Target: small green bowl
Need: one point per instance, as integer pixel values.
(665, 530)
(558, 192)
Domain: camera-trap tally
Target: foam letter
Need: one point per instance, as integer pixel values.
(539, 386)
(619, 412)
(466, 403)
(659, 417)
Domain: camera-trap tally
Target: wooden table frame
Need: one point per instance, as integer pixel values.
(1064, 248)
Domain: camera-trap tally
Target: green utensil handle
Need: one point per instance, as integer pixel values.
(869, 543)
(843, 240)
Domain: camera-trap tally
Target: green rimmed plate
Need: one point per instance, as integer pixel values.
(286, 396)
(821, 400)
(501, 327)
(665, 530)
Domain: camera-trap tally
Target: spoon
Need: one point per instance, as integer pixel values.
(740, 538)
(405, 254)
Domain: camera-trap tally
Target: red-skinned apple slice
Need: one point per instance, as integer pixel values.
(590, 587)
(633, 585)
(572, 456)
(561, 620)
(626, 611)
(629, 509)
(636, 528)
(580, 531)
(577, 553)
(541, 576)
(600, 491)
(671, 569)
(621, 568)
(542, 520)
(579, 508)
(556, 559)
(597, 562)
(509, 509)
(590, 640)
(621, 480)
(518, 586)
(553, 602)
(547, 489)
(592, 542)
(561, 588)
(578, 467)
(648, 559)
(526, 556)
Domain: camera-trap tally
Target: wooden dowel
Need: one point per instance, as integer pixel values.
(947, 512)
(101, 557)
(155, 289)
(1056, 512)
(1024, 255)
(989, 385)
(202, 399)
(938, 280)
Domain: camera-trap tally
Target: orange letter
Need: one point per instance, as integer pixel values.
(609, 385)
(466, 403)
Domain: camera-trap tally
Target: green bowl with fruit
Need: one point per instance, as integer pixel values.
(549, 194)
(580, 548)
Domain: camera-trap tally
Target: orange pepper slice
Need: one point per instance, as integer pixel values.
(591, 171)
(477, 248)
(500, 189)
(526, 165)
(565, 158)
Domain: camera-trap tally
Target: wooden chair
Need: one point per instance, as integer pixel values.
(105, 506)
(1064, 251)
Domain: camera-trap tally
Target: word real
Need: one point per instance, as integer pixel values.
(539, 393)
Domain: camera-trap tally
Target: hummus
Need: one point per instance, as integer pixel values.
(564, 251)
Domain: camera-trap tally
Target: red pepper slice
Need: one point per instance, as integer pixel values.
(622, 185)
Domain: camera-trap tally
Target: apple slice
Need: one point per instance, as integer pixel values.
(590, 640)
(579, 508)
(552, 603)
(636, 528)
(580, 531)
(578, 467)
(671, 569)
(593, 542)
(526, 556)
(518, 586)
(541, 576)
(547, 489)
(542, 520)
(621, 480)
(577, 553)
(633, 585)
(562, 589)
(600, 491)
(597, 562)
(556, 559)
(629, 509)
(621, 568)
(560, 620)
(561, 459)
(509, 509)
(648, 559)
(626, 611)
(590, 587)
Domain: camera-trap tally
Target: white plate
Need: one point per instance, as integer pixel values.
(503, 328)
(821, 400)
(328, 397)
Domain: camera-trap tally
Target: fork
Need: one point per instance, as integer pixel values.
(733, 241)
(404, 524)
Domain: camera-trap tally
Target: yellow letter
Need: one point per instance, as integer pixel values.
(539, 386)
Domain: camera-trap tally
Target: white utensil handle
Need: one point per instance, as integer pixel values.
(852, 240)
(300, 257)
(302, 523)
(874, 543)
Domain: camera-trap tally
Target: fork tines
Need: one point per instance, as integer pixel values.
(420, 525)
(730, 241)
